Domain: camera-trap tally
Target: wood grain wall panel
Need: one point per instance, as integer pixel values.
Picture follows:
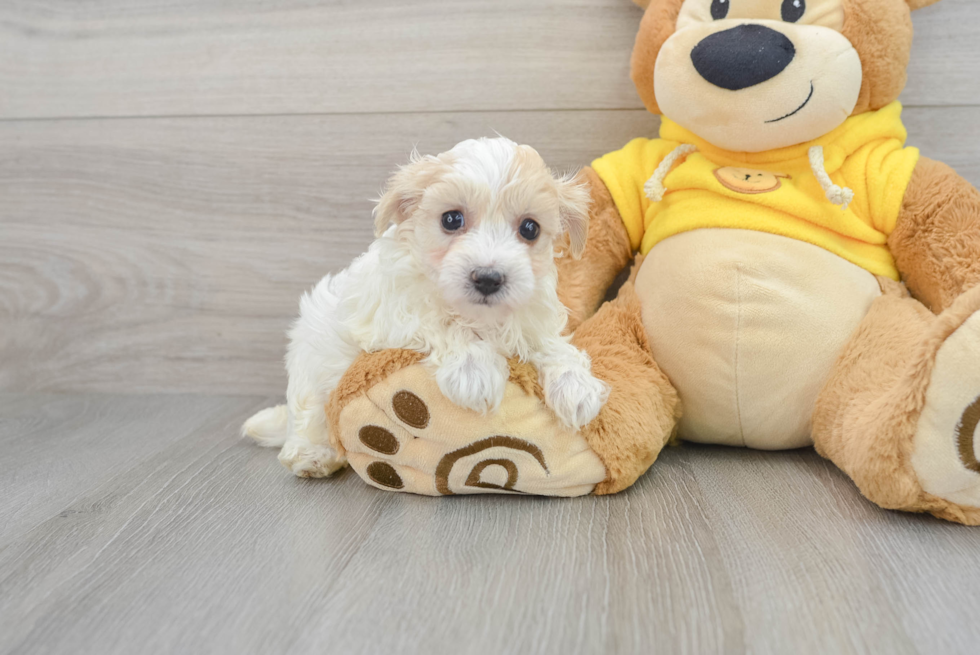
(148, 58)
(943, 69)
(169, 254)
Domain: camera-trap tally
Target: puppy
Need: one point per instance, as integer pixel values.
(464, 271)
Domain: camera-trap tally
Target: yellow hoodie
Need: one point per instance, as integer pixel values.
(775, 191)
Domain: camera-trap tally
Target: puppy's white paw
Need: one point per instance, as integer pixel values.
(309, 460)
(474, 382)
(575, 396)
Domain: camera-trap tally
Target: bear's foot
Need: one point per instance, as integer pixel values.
(401, 434)
(899, 414)
(946, 445)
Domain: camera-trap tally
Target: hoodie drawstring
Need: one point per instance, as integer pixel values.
(654, 188)
(836, 194)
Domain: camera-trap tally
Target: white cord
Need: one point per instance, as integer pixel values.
(654, 188)
(836, 194)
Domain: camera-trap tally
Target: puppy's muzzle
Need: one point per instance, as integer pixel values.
(487, 281)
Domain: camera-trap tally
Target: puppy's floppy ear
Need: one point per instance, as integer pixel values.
(404, 190)
(919, 4)
(574, 202)
(643, 4)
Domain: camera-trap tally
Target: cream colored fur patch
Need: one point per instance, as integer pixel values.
(747, 325)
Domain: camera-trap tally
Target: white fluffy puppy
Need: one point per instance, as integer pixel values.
(463, 270)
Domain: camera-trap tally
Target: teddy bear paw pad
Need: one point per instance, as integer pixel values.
(946, 446)
(403, 435)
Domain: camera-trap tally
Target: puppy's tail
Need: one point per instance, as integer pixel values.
(269, 427)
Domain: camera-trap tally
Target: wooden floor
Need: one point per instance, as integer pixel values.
(141, 523)
(173, 174)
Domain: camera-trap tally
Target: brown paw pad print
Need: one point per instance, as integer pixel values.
(965, 431)
(378, 439)
(402, 434)
(475, 477)
(410, 409)
(489, 464)
(385, 474)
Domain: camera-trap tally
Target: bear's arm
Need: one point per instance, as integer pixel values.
(582, 283)
(936, 241)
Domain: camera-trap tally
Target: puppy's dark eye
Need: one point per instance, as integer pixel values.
(529, 229)
(453, 220)
(719, 8)
(793, 10)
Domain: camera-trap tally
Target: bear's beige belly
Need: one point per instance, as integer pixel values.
(747, 325)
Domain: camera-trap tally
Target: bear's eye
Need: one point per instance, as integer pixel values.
(793, 10)
(719, 9)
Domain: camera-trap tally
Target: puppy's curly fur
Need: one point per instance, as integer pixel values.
(418, 287)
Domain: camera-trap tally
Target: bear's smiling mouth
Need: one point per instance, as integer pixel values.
(798, 109)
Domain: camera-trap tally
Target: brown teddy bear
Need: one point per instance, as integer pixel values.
(772, 226)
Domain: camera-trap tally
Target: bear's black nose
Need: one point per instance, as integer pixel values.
(487, 281)
(742, 56)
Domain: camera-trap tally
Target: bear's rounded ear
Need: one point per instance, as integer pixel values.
(919, 4)
(659, 22)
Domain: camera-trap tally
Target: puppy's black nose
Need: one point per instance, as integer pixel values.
(487, 281)
(742, 56)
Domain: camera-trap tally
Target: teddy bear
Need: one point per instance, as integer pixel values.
(795, 276)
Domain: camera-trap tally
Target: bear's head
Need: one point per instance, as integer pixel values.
(754, 75)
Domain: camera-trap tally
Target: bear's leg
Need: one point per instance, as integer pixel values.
(399, 432)
(643, 408)
(583, 282)
(900, 412)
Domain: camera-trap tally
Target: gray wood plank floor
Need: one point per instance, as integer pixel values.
(181, 538)
(173, 173)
